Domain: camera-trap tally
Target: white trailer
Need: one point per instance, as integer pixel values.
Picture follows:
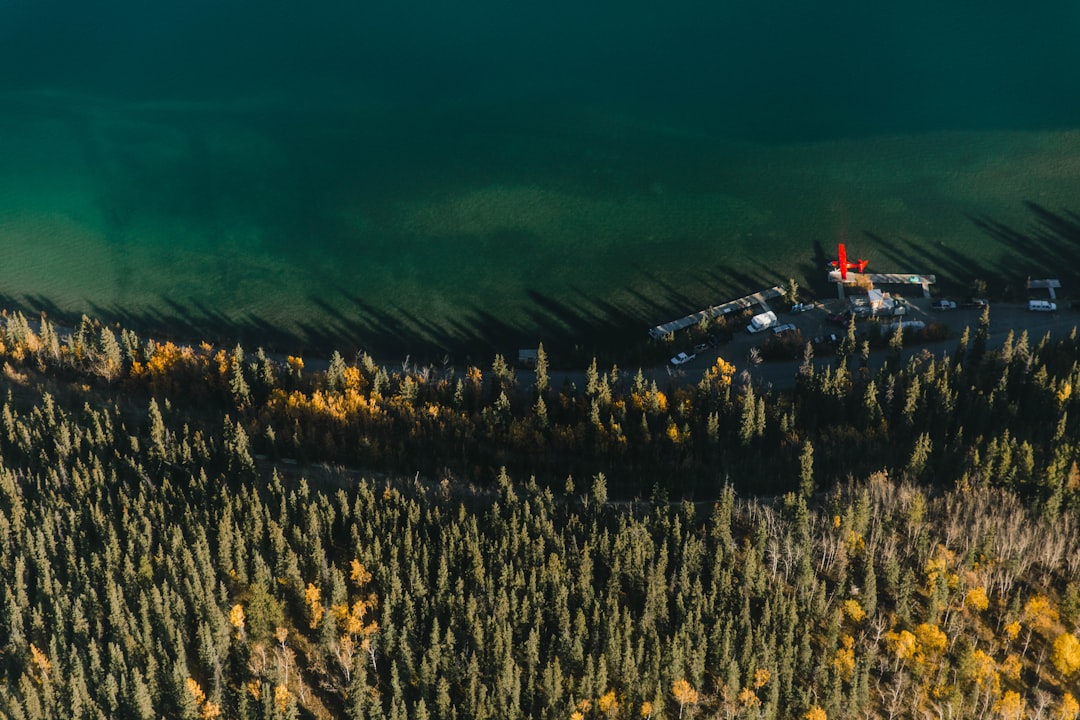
(760, 322)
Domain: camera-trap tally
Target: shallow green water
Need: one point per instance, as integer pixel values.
(419, 189)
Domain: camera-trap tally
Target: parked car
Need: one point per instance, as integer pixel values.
(841, 319)
(781, 329)
(943, 305)
(682, 358)
(826, 339)
(801, 307)
(700, 348)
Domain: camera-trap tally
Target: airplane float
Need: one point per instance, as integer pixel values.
(844, 265)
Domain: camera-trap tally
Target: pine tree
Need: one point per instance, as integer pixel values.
(896, 341)
(157, 451)
(599, 489)
(238, 385)
(111, 359)
(982, 336)
(540, 413)
(335, 373)
(542, 379)
(748, 422)
(806, 469)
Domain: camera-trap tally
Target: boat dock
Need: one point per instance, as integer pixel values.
(1049, 284)
(758, 298)
(924, 281)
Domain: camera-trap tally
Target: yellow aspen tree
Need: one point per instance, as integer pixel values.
(359, 573)
(984, 671)
(748, 698)
(844, 660)
(41, 661)
(854, 610)
(608, 704)
(1066, 654)
(815, 713)
(854, 542)
(646, 710)
(932, 641)
(312, 596)
(1010, 706)
(1068, 708)
(207, 710)
(761, 678)
(976, 599)
(1039, 613)
(1011, 667)
(237, 619)
(937, 567)
(196, 691)
(902, 645)
(281, 697)
(684, 695)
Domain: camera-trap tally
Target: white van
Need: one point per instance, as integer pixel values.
(1041, 306)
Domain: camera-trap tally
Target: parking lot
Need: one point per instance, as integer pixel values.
(814, 323)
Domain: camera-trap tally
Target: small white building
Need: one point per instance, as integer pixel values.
(882, 303)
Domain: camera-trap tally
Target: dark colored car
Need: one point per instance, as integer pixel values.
(840, 319)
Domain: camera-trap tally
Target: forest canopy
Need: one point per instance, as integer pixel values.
(194, 532)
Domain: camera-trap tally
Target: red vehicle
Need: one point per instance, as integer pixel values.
(844, 265)
(840, 319)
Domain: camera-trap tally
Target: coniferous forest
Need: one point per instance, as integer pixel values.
(198, 533)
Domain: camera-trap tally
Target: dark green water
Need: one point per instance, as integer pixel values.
(412, 177)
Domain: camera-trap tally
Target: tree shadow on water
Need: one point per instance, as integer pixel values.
(579, 322)
(1049, 247)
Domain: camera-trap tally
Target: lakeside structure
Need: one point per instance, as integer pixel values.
(1050, 285)
(759, 298)
(924, 281)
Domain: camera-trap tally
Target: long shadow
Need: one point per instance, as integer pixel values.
(1049, 248)
(580, 322)
(815, 271)
(953, 270)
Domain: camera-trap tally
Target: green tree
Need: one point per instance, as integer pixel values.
(791, 292)
(335, 373)
(599, 489)
(542, 379)
(748, 417)
(806, 469)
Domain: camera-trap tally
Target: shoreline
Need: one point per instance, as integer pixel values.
(779, 374)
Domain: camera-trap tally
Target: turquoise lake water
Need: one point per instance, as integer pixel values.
(422, 177)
